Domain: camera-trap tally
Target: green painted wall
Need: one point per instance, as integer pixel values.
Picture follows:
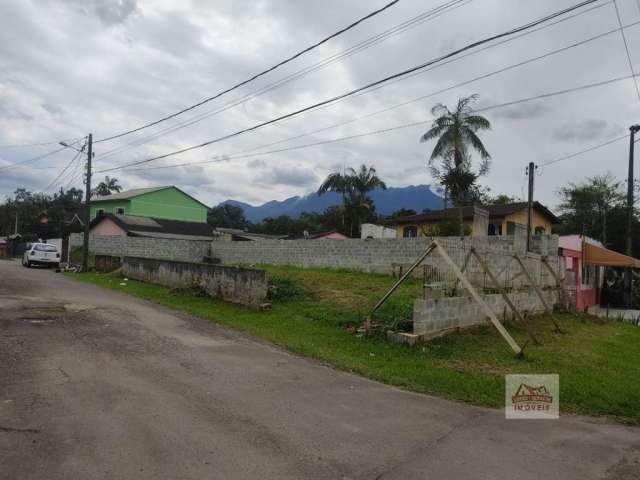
(109, 207)
(169, 203)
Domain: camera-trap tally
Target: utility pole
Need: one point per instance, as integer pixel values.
(87, 209)
(531, 171)
(630, 184)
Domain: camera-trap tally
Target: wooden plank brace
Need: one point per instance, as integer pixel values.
(505, 297)
(535, 286)
(476, 296)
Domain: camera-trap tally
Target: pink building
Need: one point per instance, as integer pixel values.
(584, 261)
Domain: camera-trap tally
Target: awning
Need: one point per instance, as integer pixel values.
(593, 255)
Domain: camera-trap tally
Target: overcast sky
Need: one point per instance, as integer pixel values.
(72, 67)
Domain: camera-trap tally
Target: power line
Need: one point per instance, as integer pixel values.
(437, 92)
(357, 48)
(587, 150)
(226, 158)
(264, 72)
(461, 57)
(39, 144)
(62, 172)
(626, 47)
(373, 84)
(29, 160)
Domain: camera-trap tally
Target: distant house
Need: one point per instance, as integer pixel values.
(237, 235)
(167, 202)
(482, 221)
(370, 230)
(109, 224)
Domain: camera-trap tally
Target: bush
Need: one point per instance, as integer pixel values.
(283, 289)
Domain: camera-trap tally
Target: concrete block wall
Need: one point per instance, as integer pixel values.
(380, 255)
(432, 316)
(143, 247)
(246, 286)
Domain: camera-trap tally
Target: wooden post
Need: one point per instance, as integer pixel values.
(426, 253)
(535, 286)
(562, 295)
(505, 297)
(462, 270)
(487, 310)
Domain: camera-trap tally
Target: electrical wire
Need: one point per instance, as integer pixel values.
(437, 92)
(62, 172)
(41, 144)
(359, 47)
(587, 150)
(264, 72)
(365, 87)
(30, 160)
(461, 57)
(226, 158)
(626, 47)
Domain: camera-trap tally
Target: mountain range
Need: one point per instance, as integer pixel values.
(416, 197)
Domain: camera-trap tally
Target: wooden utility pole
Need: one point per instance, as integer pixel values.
(531, 171)
(628, 284)
(87, 210)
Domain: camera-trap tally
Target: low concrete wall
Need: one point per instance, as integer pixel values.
(107, 263)
(431, 316)
(246, 286)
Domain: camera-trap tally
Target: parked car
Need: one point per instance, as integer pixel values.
(41, 254)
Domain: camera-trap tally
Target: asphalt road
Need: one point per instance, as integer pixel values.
(98, 385)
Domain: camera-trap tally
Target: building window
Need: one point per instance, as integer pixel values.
(99, 212)
(410, 232)
(120, 211)
(511, 228)
(539, 230)
(495, 229)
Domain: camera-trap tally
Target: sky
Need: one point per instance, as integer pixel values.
(73, 67)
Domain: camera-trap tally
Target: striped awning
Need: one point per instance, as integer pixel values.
(594, 255)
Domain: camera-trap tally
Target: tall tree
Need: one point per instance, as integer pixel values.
(456, 134)
(354, 186)
(586, 208)
(228, 216)
(108, 186)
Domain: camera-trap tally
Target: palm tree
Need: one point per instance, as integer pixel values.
(107, 187)
(457, 137)
(353, 186)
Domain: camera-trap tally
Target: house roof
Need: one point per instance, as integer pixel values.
(136, 192)
(158, 227)
(434, 215)
(326, 234)
(495, 211)
(127, 194)
(236, 232)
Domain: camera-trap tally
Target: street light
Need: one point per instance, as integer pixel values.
(65, 144)
(633, 129)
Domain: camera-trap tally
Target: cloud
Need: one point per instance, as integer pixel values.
(72, 67)
(292, 176)
(592, 129)
(110, 12)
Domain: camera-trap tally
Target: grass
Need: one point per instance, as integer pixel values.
(314, 308)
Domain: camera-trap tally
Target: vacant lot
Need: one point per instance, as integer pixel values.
(313, 310)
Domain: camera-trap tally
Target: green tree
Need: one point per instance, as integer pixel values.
(354, 186)
(456, 134)
(107, 187)
(227, 216)
(589, 207)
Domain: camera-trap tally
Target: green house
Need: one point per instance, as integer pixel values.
(169, 203)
